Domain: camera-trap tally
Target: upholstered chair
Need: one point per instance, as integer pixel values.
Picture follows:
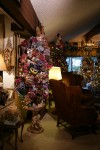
(71, 79)
(69, 108)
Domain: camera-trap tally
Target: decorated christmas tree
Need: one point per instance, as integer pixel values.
(34, 64)
(96, 77)
(58, 54)
(86, 69)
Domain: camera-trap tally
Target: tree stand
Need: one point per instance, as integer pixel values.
(35, 126)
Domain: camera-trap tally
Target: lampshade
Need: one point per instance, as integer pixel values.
(2, 64)
(55, 73)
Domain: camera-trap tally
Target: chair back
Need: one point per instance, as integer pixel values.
(18, 103)
(69, 107)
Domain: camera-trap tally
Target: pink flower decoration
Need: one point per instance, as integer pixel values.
(34, 40)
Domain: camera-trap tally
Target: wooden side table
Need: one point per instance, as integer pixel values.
(10, 128)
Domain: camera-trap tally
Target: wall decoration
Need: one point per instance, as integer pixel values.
(8, 51)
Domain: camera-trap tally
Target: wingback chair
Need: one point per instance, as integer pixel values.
(69, 108)
(71, 79)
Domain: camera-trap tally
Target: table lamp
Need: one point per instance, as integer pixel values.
(55, 73)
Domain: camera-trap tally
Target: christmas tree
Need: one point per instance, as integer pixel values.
(58, 54)
(86, 69)
(96, 77)
(34, 64)
(32, 81)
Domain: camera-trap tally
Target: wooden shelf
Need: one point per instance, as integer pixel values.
(81, 52)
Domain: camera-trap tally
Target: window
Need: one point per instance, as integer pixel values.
(74, 63)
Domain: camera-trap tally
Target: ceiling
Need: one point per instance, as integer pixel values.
(71, 18)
